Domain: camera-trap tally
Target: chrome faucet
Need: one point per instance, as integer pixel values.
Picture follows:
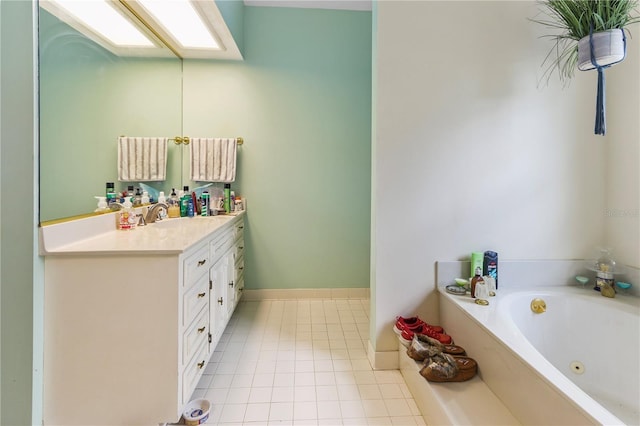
(152, 214)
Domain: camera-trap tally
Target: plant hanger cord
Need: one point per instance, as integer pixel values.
(601, 125)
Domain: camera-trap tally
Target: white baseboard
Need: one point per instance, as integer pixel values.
(387, 360)
(305, 293)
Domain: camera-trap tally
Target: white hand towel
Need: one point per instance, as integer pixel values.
(142, 159)
(213, 159)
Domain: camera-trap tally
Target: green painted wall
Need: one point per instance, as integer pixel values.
(302, 101)
(17, 217)
(233, 14)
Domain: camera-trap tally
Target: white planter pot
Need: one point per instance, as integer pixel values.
(608, 48)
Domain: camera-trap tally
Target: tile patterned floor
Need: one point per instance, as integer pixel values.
(302, 362)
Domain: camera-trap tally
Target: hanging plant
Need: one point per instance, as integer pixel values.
(590, 34)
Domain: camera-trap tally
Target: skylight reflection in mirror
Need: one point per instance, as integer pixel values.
(183, 22)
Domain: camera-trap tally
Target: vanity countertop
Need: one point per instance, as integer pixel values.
(98, 236)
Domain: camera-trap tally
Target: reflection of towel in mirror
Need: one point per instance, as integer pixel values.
(213, 159)
(142, 159)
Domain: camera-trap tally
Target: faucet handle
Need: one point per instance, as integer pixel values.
(141, 220)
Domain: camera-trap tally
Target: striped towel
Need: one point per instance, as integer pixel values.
(213, 159)
(142, 159)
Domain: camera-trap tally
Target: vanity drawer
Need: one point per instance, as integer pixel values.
(238, 251)
(196, 265)
(220, 246)
(197, 333)
(193, 371)
(195, 299)
(239, 268)
(238, 230)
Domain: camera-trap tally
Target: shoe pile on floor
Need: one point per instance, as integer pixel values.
(443, 361)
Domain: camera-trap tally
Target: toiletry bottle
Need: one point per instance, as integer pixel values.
(162, 198)
(227, 197)
(490, 266)
(137, 199)
(130, 194)
(190, 207)
(232, 201)
(476, 262)
(126, 216)
(477, 278)
(605, 266)
(183, 201)
(145, 198)
(111, 193)
(205, 203)
(196, 204)
(174, 205)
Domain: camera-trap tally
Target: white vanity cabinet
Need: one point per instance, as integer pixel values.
(132, 318)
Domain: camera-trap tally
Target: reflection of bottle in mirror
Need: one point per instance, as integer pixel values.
(111, 193)
(137, 199)
(129, 193)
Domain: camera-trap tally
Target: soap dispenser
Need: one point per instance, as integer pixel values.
(126, 218)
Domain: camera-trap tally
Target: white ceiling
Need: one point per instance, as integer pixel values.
(314, 4)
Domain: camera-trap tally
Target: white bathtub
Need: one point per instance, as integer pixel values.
(532, 361)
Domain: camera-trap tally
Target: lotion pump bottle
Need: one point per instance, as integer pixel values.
(126, 219)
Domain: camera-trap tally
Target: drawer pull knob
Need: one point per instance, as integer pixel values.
(200, 365)
(231, 284)
(202, 262)
(202, 329)
(220, 301)
(241, 247)
(241, 268)
(201, 295)
(240, 227)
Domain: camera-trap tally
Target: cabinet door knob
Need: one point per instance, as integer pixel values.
(201, 295)
(202, 262)
(241, 268)
(200, 365)
(220, 301)
(202, 329)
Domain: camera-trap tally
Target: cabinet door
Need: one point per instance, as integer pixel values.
(217, 305)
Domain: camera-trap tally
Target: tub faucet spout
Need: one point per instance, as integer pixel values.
(152, 214)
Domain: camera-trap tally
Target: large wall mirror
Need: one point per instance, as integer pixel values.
(89, 97)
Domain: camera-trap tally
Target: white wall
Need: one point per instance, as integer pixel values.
(622, 206)
(470, 154)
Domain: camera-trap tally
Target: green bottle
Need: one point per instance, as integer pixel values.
(184, 201)
(227, 197)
